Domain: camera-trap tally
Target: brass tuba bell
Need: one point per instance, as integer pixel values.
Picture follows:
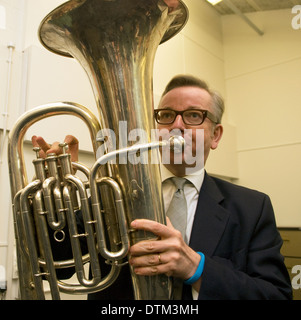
(115, 41)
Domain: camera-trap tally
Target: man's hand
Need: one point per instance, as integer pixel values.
(46, 148)
(169, 254)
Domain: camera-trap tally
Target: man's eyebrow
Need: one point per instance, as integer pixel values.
(190, 107)
(167, 107)
(195, 107)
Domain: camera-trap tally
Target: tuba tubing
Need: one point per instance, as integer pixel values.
(115, 42)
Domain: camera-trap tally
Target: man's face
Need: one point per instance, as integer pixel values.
(183, 98)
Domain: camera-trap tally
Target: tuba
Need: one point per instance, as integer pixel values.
(115, 41)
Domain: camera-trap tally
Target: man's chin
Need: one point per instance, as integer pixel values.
(182, 162)
(183, 169)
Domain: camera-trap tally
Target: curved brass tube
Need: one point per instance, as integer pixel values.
(115, 42)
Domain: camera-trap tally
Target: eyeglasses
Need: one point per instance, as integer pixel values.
(192, 117)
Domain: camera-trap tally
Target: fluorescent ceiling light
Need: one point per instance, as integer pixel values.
(214, 2)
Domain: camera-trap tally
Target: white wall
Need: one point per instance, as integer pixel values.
(40, 77)
(263, 84)
(12, 21)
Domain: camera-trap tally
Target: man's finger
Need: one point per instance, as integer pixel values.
(73, 146)
(39, 141)
(152, 226)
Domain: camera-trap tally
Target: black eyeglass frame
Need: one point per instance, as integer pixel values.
(206, 114)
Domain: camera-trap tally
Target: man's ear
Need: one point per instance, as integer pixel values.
(216, 136)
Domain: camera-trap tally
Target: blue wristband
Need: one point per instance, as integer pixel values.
(198, 272)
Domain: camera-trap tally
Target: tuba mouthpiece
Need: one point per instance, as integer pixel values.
(176, 144)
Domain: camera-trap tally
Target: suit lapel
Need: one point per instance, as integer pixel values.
(210, 218)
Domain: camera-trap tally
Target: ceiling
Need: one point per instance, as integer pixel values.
(246, 6)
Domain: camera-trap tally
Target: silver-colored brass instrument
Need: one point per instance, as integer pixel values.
(115, 41)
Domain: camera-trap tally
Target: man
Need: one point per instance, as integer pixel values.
(231, 247)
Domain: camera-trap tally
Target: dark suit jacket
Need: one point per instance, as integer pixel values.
(235, 228)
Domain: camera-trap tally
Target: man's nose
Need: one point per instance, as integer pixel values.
(178, 123)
